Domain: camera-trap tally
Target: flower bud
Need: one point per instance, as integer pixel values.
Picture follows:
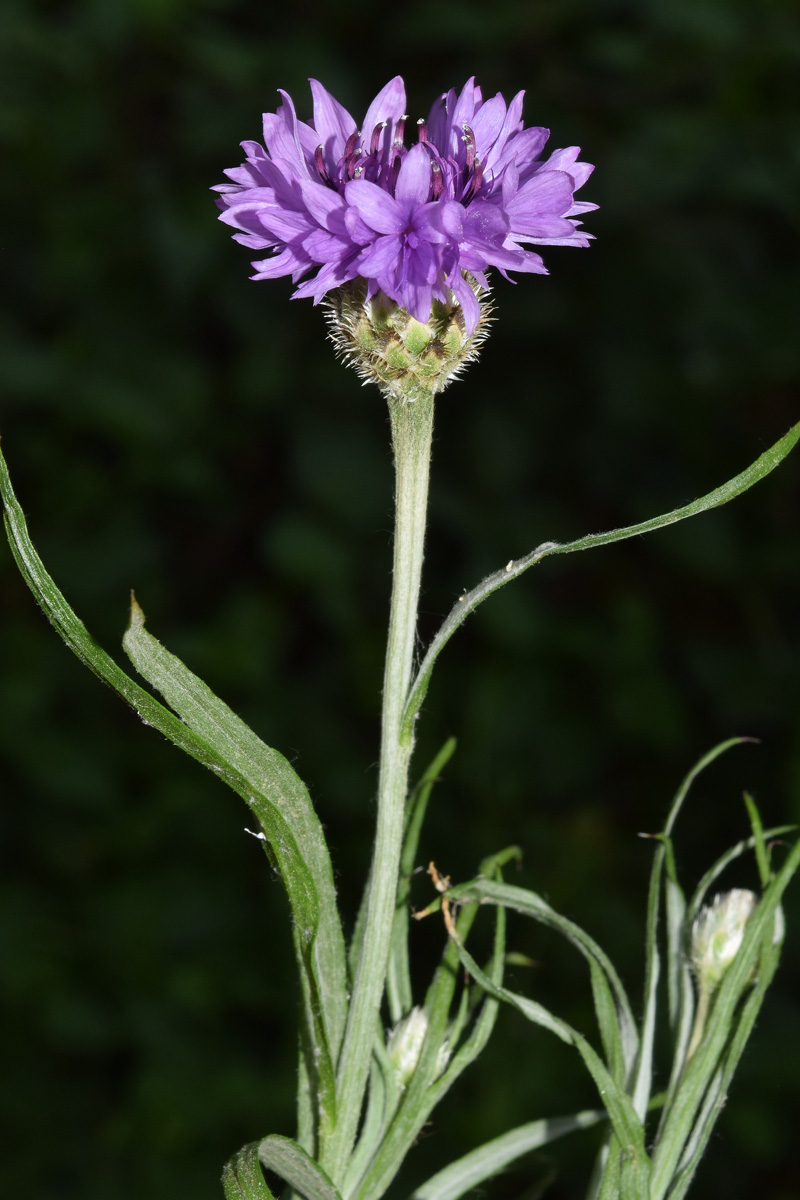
(389, 347)
(404, 1045)
(717, 934)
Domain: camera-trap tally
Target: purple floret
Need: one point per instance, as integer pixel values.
(343, 203)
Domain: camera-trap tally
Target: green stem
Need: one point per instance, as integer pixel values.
(412, 427)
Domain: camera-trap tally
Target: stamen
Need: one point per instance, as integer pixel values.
(376, 137)
(350, 144)
(474, 185)
(400, 129)
(319, 163)
(422, 131)
(359, 171)
(437, 180)
(468, 138)
(351, 160)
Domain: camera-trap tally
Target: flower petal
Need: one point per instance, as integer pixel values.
(376, 208)
(487, 123)
(389, 105)
(332, 123)
(414, 180)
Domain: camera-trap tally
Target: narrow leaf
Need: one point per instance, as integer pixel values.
(398, 980)
(294, 840)
(622, 1026)
(627, 1126)
(467, 603)
(295, 1167)
(426, 1087)
(242, 1178)
(762, 856)
(323, 955)
(756, 945)
(664, 854)
(491, 1158)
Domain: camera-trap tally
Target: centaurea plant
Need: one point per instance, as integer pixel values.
(395, 235)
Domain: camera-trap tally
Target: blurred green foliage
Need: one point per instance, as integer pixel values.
(174, 428)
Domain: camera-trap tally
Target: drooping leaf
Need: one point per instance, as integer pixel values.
(242, 1178)
(297, 1168)
(467, 603)
(628, 1128)
(216, 738)
(294, 842)
(618, 1028)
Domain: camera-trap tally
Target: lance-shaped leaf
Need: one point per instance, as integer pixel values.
(467, 603)
(634, 1171)
(725, 1036)
(429, 1082)
(489, 1159)
(398, 979)
(242, 1178)
(284, 808)
(644, 1073)
(294, 838)
(297, 1168)
(615, 1019)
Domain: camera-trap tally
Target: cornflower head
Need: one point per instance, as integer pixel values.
(399, 236)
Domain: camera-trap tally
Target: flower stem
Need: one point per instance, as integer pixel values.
(412, 427)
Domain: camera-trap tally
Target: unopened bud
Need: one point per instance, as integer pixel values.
(389, 347)
(717, 935)
(404, 1045)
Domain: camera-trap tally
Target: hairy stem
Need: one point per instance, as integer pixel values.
(412, 427)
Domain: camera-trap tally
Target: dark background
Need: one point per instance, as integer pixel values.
(173, 427)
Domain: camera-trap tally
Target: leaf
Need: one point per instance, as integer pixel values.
(626, 1124)
(398, 980)
(294, 841)
(297, 1168)
(242, 1178)
(618, 1028)
(756, 824)
(318, 937)
(425, 1089)
(644, 1067)
(491, 1158)
(725, 1033)
(724, 861)
(467, 603)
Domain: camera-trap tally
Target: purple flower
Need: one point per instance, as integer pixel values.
(324, 197)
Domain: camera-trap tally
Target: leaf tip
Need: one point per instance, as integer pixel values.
(136, 620)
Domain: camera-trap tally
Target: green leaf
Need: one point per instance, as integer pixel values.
(491, 1158)
(664, 855)
(756, 824)
(398, 980)
(724, 861)
(242, 1178)
(425, 1089)
(726, 1032)
(467, 603)
(294, 842)
(626, 1124)
(305, 867)
(617, 1026)
(297, 1168)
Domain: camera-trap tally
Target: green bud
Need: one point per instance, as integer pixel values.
(389, 347)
